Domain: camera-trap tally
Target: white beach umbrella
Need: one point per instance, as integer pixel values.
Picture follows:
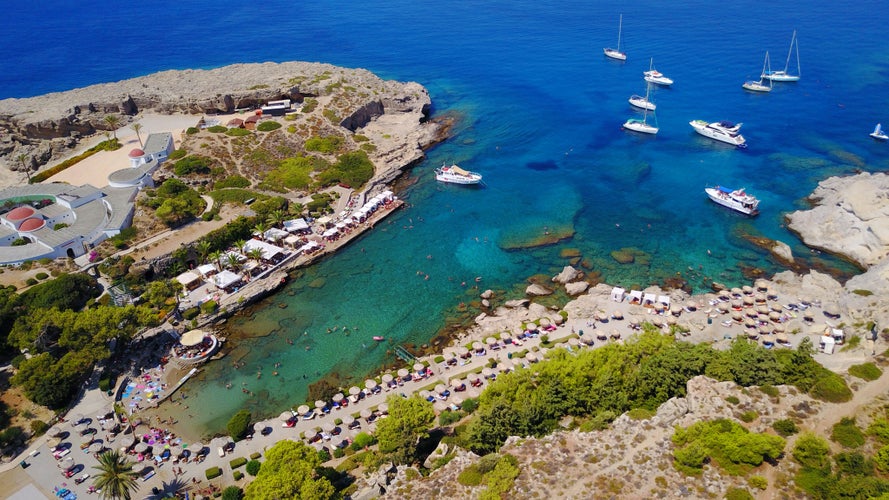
(86, 438)
(258, 427)
(197, 447)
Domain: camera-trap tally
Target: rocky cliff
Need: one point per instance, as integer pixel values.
(46, 127)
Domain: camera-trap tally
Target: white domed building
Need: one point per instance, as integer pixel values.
(144, 162)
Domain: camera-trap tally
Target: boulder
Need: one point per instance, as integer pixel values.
(487, 294)
(576, 288)
(517, 303)
(782, 251)
(486, 303)
(567, 275)
(537, 290)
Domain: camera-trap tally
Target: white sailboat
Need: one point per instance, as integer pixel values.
(783, 75)
(655, 76)
(616, 53)
(760, 86)
(878, 133)
(642, 126)
(641, 102)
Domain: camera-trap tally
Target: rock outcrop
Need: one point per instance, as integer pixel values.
(851, 218)
(45, 127)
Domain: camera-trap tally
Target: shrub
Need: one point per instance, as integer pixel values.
(38, 427)
(438, 359)
(191, 131)
(104, 384)
(255, 455)
(191, 313)
(30, 282)
(363, 439)
(879, 429)
(237, 426)
(216, 129)
(748, 416)
(237, 462)
(253, 467)
(213, 472)
(41, 276)
(881, 459)
(865, 371)
(831, 387)
(846, 433)
(209, 306)
(268, 126)
(738, 494)
(448, 417)
(812, 451)
(60, 225)
(19, 242)
(339, 453)
(232, 493)
(640, 414)
(733, 400)
(863, 293)
(237, 132)
(232, 181)
(785, 427)
(770, 390)
(470, 476)
(727, 443)
(238, 475)
(192, 164)
(469, 405)
(758, 482)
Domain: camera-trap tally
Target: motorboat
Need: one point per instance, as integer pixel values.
(655, 76)
(616, 53)
(878, 133)
(735, 199)
(456, 175)
(723, 131)
(379, 338)
(642, 102)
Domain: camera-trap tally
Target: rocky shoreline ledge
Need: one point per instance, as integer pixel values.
(49, 127)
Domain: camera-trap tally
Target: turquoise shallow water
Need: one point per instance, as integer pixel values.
(540, 111)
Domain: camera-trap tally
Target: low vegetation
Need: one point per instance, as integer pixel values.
(724, 442)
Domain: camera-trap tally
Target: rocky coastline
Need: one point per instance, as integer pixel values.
(49, 127)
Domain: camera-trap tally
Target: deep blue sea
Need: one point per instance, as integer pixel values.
(539, 110)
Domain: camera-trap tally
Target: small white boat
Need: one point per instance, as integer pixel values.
(784, 75)
(642, 102)
(616, 53)
(723, 131)
(655, 76)
(878, 133)
(456, 175)
(760, 86)
(642, 126)
(736, 199)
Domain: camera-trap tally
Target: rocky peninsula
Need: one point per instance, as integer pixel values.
(393, 115)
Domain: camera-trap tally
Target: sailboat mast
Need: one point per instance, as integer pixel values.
(799, 71)
(620, 26)
(790, 52)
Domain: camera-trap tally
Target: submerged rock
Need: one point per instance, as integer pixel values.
(538, 290)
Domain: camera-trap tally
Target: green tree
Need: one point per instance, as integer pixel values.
(237, 425)
(408, 422)
(137, 128)
(276, 218)
(255, 254)
(113, 121)
(115, 477)
(203, 249)
(290, 471)
(232, 493)
(21, 158)
(812, 451)
(216, 257)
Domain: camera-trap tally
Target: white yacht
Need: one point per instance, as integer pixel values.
(456, 175)
(655, 76)
(721, 131)
(736, 199)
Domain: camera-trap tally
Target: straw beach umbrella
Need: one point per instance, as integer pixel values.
(303, 409)
(387, 377)
(353, 391)
(141, 447)
(370, 384)
(86, 438)
(366, 413)
(177, 450)
(487, 372)
(348, 420)
(747, 289)
(477, 346)
(462, 351)
(383, 408)
(418, 367)
(310, 433)
(505, 336)
(53, 442)
(440, 388)
(285, 416)
(96, 447)
(128, 442)
(490, 341)
(328, 426)
(320, 404)
(776, 307)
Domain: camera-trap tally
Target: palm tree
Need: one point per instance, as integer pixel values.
(27, 168)
(116, 478)
(233, 262)
(255, 254)
(260, 228)
(239, 245)
(276, 218)
(137, 127)
(112, 121)
(203, 248)
(216, 256)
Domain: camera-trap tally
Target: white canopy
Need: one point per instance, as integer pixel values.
(663, 299)
(269, 251)
(636, 295)
(649, 298)
(275, 234)
(617, 294)
(330, 232)
(295, 225)
(206, 269)
(292, 240)
(192, 338)
(187, 278)
(225, 279)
